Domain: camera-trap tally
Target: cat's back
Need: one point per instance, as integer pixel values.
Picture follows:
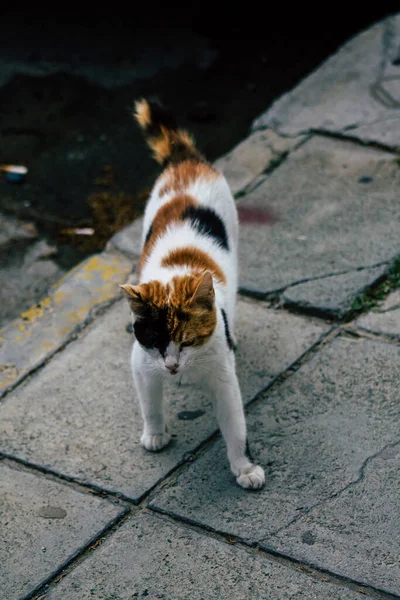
(194, 191)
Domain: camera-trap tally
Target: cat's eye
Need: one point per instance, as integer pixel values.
(187, 343)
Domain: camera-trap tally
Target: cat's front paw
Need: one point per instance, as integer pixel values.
(251, 478)
(155, 442)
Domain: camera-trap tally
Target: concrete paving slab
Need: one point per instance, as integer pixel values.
(385, 318)
(324, 198)
(313, 434)
(77, 416)
(128, 240)
(357, 533)
(357, 91)
(40, 331)
(332, 296)
(256, 154)
(32, 265)
(392, 302)
(150, 557)
(43, 524)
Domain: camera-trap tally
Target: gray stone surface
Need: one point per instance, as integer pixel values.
(43, 524)
(150, 557)
(325, 198)
(27, 266)
(77, 416)
(392, 302)
(313, 434)
(15, 232)
(29, 340)
(128, 240)
(358, 533)
(356, 91)
(334, 295)
(256, 154)
(26, 278)
(385, 318)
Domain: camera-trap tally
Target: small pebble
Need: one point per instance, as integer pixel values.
(188, 457)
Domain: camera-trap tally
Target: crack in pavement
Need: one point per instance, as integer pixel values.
(260, 294)
(272, 555)
(360, 478)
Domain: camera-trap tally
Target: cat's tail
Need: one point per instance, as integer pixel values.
(170, 144)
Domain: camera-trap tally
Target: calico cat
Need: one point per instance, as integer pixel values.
(183, 309)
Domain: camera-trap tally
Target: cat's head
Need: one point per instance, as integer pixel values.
(173, 322)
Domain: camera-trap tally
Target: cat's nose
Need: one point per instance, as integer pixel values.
(172, 366)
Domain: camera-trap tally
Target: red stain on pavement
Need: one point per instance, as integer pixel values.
(255, 214)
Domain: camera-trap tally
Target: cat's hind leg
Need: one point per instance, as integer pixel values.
(148, 384)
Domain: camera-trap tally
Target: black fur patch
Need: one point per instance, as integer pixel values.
(149, 234)
(207, 222)
(229, 340)
(152, 331)
(160, 116)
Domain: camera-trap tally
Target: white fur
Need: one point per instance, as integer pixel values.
(213, 194)
(213, 362)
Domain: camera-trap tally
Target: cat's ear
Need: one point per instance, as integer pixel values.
(204, 294)
(135, 299)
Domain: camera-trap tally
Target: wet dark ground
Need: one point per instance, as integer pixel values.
(88, 166)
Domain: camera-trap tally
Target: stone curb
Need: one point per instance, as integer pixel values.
(32, 338)
(354, 92)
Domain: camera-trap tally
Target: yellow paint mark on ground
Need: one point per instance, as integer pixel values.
(36, 312)
(22, 336)
(96, 264)
(102, 276)
(108, 270)
(59, 297)
(92, 264)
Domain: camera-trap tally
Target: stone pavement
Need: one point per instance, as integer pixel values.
(85, 512)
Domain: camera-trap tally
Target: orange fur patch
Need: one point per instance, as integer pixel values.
(194, 258)
(154, 293)
(177, 178)
(187, 318)
(165, 145)
(169, 213)
(161, 146)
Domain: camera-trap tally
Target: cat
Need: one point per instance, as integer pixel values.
(183, 308)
